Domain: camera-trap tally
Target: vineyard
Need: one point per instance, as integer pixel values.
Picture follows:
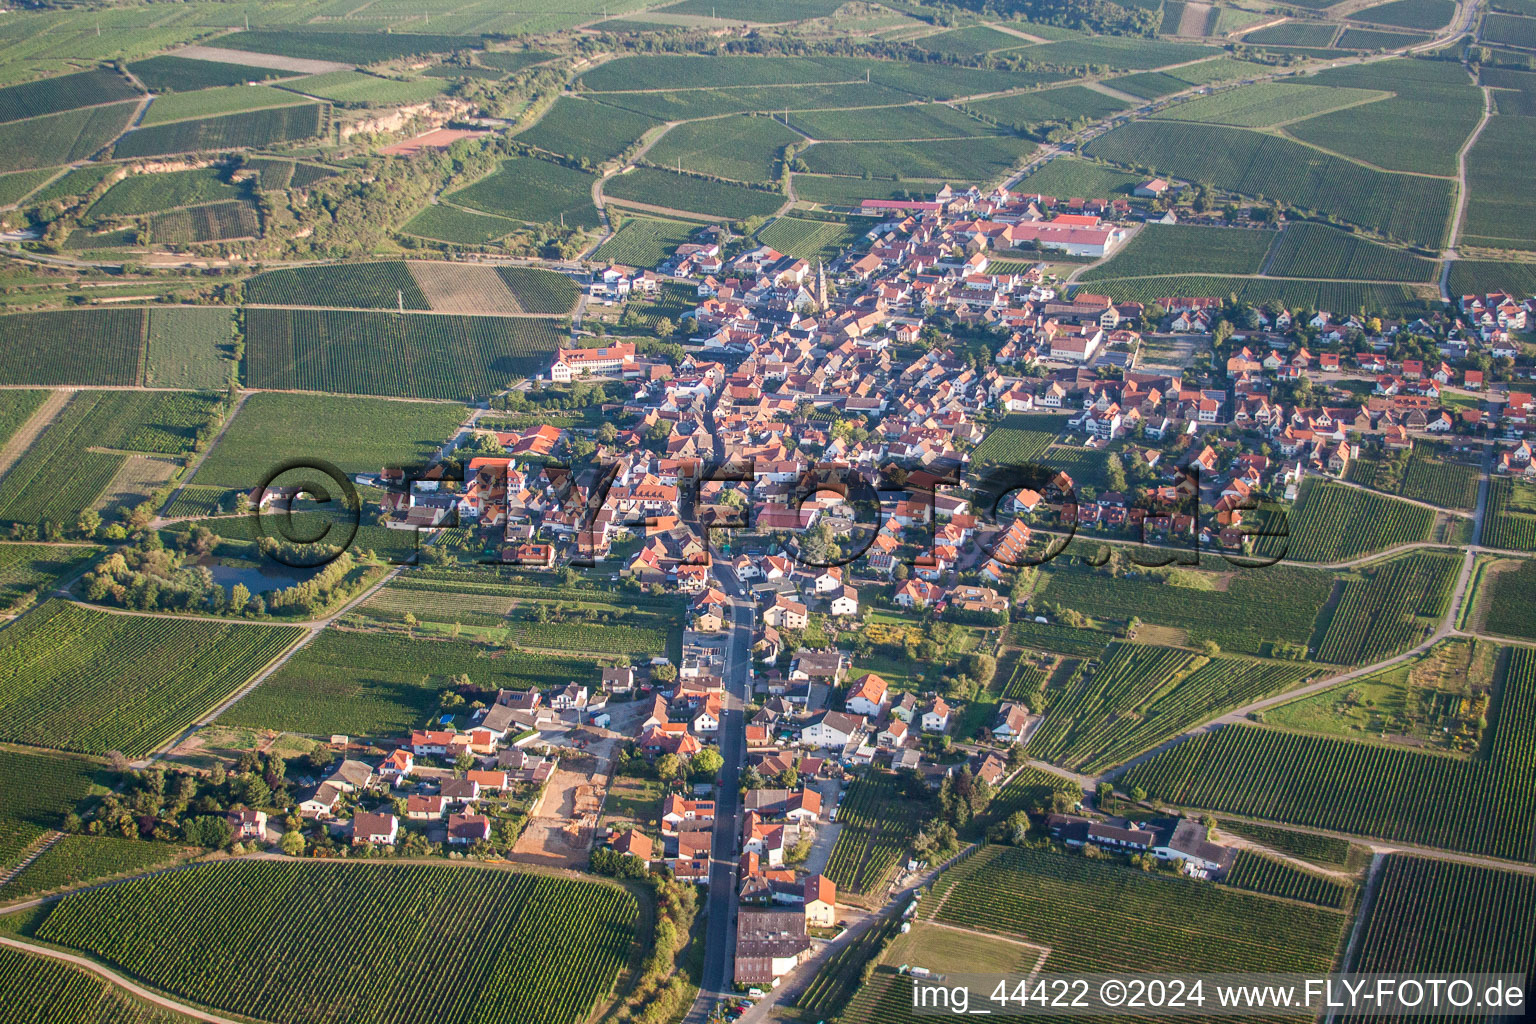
(584, 130)
(66, 92)
(1334, 523)
(412, 356)
(1388, 608)
(877, 821)
(838, 979)
(61, 138)
(382, 285)
(1138, 695)
(374, 944)
(979, 159)
(1511, 596)
(1099, 915)
(1511, 517)
(77, 346)
(75, 860)
(27, 569)
(1258, 873)
(742, 148)
(1313, 250)
(358, 435)
(1186, 249)
(1265, 103)
(215, 222)
(1028, 788)
(704, 196)
(36, 791)
(1018, 440)
(644, 241)
(1327, 850)
(1483, 806)
(183, 74)
(37, 990)
(528, 189)
(94, 682)
(232, 131)
(1431, 915)
(233, 99)
(1426, 473)
(189, 347)
(1076, 643)
(151, 193)
(373, 684)
(820, 240)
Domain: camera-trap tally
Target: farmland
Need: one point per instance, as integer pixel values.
(356, 88)
(1335, 523)
(924, 121)
(1484, 806)
(1456, 917)
(214, 222)
(37, 990)
(813, 240)
(539, 191)
(1018, 440)
(413, 356)
(1511, 518)
(1498, 196)
(690, 194)
(346, 47)
(232, 131)
(1426, 473)
(1509, 601)
(1312, 250)
(1407, 207)
(58, 687)
(877, 823)
(382, 285)
(1139, 695)
(184, 74)
(645, 241)
(1266, 103)
(684, 104)
(1179, 248)
(980, 159)
(358, 435)
(1029, 787)
(1388, 608)
(1139, 921)
(61, 138)
(27, 569)
(1068, 176)
(233, 99)
(1294, 33)
(189, 347)
(1028, 111)
(587, 131)
(1336, 296)
(51, 95)
(742, 148)
(850, 191)
(1425, 14)
(76, 860)
(1078, 643)
(1506, 28)
(451, 224)
(376, 684)
(1326, 850)
(36, 791)
(1259, 873)
(305, 942)
(150, 193)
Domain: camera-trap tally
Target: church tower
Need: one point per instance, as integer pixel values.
(821, 285)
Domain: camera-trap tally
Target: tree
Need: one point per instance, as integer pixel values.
(293, 843)
(410, 623)
(464, 762)
(668, 767)
(88, 523)
(706, 764)
(239, 597)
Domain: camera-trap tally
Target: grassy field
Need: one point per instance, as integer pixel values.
(381, 285)
(1314, 250)
(450, 224)
(251, 130)
(61, 138)
(528, 189)
(1266, 103)
(1180, 248)
(30, 569)
(685, 192)
(745, 148)
(1425, 14)
(184, 74)
(322, 931)
(1499, 197)
(59, 687)
(66, 92)
(1335, 296)
(645, 241)
(359, 435)
(1067, 177)
(426, 355)
(1027, 112)
(357, 88)
(229, 99)
(584, 130)
(926, 121)
(372, 684)
(816, 240)
(1408, 207)
(981, 159)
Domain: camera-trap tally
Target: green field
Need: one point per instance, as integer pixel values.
(1334, 523)
(1313, 250)
(346, 47)
(1129, 53)
(66, 92)
(1484, 805)
(926, 121)
(36, 791)
(212, 222)
(381, 285)
(1388, 608)
(1367, 39)
(1509, 29)
(229, 99)
(373, 684)
(1266, 103)
(1412, 208)
(1293, 33)
(1425, 14)
(251, 130)
(1151, 84)
(189, 347)
(538, 191)
(1067, 177)
(61, 138)
(587, 131)
(37, 990)
(29, 569)
(688, 104)
(184, 74)
(690, 194)
(150, 193)
(1509, 601)
(1511, 517)
(94, 682)
(450, 224)
(75, 860)
(1499, 196)
(306, 942)
(1180, 248)
(745, 148)
(74, 183)
(419, 355)
(1341, 297)
(78, 346)
(357, 88)
(645, 241)
(1027, 112)
(981, 159)
(851, 191)
(14, 186)
(359, 435)
(814, 240)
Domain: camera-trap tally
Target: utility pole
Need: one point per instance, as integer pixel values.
(400, 300)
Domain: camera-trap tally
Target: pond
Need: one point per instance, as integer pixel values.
(258, 579)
